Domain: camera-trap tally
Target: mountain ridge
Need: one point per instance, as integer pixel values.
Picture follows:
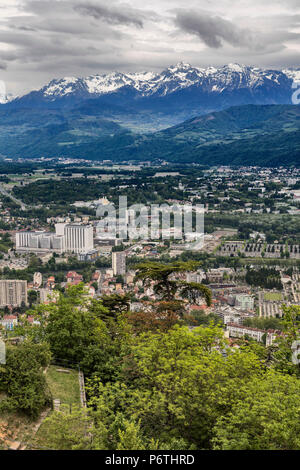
(134, 116)
(173, 79)
(263, 135)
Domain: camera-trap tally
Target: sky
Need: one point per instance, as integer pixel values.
(45, 39)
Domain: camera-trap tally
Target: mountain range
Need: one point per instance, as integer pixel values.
(252, 81)
(118, 114)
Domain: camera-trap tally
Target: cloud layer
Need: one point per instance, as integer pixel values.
(117, 16)
(43, 39)
(212, 30)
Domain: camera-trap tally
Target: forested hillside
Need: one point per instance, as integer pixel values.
(244, 135)
(152, 382)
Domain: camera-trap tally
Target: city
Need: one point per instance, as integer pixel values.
(149, 231)
(248, 259)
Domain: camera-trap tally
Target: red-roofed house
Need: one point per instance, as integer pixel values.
(73, 278)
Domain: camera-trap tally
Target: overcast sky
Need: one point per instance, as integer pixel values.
(45, 39)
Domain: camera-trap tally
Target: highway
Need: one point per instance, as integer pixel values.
(17, 201)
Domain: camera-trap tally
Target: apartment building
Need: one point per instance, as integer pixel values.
(70, 238)
(119, 263)
(13, 293)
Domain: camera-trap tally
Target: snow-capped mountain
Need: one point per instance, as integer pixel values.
(294, 74)
(102, 116)
(148, 101)
(211, 80)
(7, 98)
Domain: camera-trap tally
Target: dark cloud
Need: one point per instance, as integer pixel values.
(213, 30)
(120, 15)
(44, 39)
(23, 28)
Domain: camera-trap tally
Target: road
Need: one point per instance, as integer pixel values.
(17, 201)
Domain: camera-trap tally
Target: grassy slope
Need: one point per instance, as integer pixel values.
(63, 386)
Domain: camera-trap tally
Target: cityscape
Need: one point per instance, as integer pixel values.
(248, 259)
(149, 229)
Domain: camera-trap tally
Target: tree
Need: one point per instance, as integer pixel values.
(266, 418)
(130, 438)
(160, 316)
(81, 331)
(193, 291)
(95, 285)
(65, 430)
(166, 286)
(115, 304)
(281, 352)
(23, 380)
(32, 297)
(70, 326)
(174, 373)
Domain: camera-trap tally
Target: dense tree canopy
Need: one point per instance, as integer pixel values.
(153, 387)
(22, 379)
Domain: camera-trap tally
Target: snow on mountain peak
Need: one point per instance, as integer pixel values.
(174, 78)
(6, 98)
(180, 66)
(60, 87)
(236, 67)
(108, 83)
(294, 74)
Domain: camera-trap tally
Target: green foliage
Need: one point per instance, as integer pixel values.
(32, 297)
(270, 323)
(115, 304)
(175, 388)
(130, 438)
(65, 430)
(22, 378)
(166, 286)
(66, 191)
(82, 332)
(266, 418)
(200, 318)
(268, 278)
(281, 351)
(194, 290)
(5, 242)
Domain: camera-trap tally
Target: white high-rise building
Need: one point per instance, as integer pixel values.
(78, 238)
(72, 238)
(60, 228)
(119, 263)
(13, 293)
(39, 242)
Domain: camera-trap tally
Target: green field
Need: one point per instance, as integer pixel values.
(273, 296)
(64, 386)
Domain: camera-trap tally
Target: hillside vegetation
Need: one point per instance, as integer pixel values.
(266, 135)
